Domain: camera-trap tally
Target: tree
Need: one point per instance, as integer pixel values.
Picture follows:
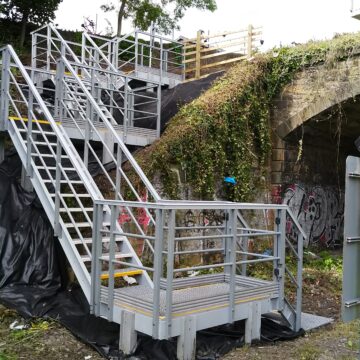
(38, 12)
(165, 14)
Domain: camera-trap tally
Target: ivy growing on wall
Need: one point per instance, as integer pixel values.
(226, 131)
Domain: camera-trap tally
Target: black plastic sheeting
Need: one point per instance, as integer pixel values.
(33, 281)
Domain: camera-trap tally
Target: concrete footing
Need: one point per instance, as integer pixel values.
(253, 322)
(186, 342)
(128, 335)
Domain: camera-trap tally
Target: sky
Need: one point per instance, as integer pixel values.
(283, 21)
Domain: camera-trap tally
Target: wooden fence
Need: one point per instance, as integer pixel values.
(206, 54)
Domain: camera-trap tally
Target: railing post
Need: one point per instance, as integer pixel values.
(198, 55)
(57, 228)
(300, 244)
(126, 106)
(111, 284)
(29, 137)
(159, 230)
(115, 55)
(249, 41)
(48, 48)
(5, 87)
(232, 259)
(279, 251)
(136, 49)
(158, 110)
(96, 251)
(59, 78)
(170, 271)
(33, 51)
(83, 46)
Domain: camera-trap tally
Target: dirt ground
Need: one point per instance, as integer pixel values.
(321, 295)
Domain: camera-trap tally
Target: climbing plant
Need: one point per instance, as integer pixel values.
(226, 131)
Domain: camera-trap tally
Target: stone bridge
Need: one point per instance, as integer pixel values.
(315, 121)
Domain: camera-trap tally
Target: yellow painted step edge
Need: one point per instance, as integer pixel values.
(35, 121)
(122, 274)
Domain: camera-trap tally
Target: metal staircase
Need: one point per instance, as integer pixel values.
(78, 129)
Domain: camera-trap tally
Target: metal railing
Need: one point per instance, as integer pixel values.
(214, 250)
(130, 106)
(141, 51)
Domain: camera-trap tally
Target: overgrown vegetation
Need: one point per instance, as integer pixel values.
(226, 131)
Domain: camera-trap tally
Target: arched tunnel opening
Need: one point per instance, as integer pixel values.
(313, 170)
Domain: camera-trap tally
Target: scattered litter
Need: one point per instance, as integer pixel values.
(14, 326)
(88, 357)
(130, 280)
(193, 273)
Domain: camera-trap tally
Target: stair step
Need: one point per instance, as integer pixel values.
(78, 225)
(49, 156)
(88, 241)
(86, 258)
(52, 181)
(41, 143)
(49, 133)
(76, 209)
(53, 168)
(122, 273)
(73, 195)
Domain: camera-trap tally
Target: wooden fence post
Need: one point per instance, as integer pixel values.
(198, 55)
(249, 41)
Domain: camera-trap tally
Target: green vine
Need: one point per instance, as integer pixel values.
(226, 131)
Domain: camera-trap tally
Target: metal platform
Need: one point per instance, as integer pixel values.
(133, 135)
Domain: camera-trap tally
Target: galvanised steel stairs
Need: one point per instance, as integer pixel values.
(85, 212)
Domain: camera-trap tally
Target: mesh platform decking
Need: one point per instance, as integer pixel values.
(207, 296)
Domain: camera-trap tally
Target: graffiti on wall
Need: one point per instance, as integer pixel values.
(319, 210)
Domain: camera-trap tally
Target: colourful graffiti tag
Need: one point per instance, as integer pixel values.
(319, 210)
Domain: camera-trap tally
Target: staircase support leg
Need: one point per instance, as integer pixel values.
(109, 141)
(253, 322)
(128, 336)
(2, 148)
(25, 181)
(186, 342)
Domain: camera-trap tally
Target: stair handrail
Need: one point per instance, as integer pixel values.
(112, 131)
(85, 176)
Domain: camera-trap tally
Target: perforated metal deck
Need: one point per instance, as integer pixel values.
(208, 293)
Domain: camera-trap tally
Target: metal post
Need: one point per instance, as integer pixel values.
(115, 59)
(159, 229)
(125, 122)
(5, 87)
(351, 247)
(57, 228)
(29, 138)
(96, 251)
(170, 271)
(83, 48)
(112, 244)
(232, 259)
(33, 51)
(136, 50)
(48, 48)
(2, 148)
(281, 228)
(300, 244)
(158, 110)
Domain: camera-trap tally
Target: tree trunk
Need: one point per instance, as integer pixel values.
(120, 17)
(23, 29)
